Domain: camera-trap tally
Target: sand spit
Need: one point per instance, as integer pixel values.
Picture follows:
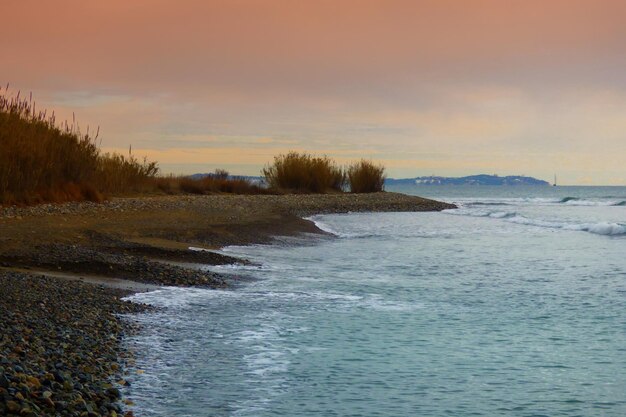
(64, 269)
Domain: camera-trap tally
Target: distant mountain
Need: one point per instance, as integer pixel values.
(470, 180)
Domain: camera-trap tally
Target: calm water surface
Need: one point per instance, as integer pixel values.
(512, 305)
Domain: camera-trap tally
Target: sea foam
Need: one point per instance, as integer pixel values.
(599, 228)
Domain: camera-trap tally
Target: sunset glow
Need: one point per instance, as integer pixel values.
(426, 87)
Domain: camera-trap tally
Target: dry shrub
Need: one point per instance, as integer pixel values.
(219, 182)
(191, 185)
(42, 161)
(122, 174)
(167, 184)
(366, 177)
(301, 172)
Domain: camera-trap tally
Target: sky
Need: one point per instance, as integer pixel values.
(426, 87)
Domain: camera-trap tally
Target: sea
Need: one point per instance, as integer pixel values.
(514, 304)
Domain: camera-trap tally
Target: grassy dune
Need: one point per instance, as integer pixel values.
(42, 160)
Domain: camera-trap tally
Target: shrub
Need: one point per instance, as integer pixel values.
(366, 177)
(304, 173)
(209, 184)
(117, 173)
(42, 161)
(221, 174)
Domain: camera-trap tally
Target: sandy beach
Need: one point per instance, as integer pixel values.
(65, 268)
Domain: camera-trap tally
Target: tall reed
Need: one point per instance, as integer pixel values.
(365, 177)
(301, 172)
(42, 160)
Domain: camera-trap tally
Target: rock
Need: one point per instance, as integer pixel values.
(4, 382)
(34, 382)
(114, 393)
(44, 351)
(13, 406)
(27, 411)
(50, 403)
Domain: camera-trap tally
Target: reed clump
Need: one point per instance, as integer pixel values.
(43, 161)
(365, 177)
(304, 173)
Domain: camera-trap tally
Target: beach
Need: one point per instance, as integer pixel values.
(65, 268)
(500, 307)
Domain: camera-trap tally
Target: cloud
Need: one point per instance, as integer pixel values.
(532, 86)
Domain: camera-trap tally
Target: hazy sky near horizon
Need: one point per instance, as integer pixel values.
(442, 87)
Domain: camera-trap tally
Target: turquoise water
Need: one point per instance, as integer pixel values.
(512, 305)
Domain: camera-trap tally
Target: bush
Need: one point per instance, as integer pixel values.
(118, 174)
(304, 173)
(209, 184)
(221, 174)
(41, 161)
(366, 177)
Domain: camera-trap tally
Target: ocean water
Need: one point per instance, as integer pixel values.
(512, 305)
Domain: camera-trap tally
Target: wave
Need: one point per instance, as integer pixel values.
(322, 226)
(575, 201)
(599, 228)
(487, 203)
(344, 235)
(569, 201)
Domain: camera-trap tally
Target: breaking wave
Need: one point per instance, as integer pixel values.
(569, 201)
(599, 228)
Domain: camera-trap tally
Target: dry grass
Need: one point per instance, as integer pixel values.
(217, 183)
(365, 177)
(303, 173)
(42, 161)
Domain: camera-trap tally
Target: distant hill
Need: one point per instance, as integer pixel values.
(470, 180)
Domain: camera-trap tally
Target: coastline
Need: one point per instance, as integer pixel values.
(79, 259)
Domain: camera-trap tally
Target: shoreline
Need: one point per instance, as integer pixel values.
(80, 259)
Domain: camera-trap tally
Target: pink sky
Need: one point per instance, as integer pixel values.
(427, 87)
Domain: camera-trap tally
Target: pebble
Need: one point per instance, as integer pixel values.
(60, 347)
(302, 204)
(60, 361)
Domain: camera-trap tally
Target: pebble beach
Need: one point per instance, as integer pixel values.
(60, 337)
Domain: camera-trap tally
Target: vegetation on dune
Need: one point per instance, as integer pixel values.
(42, 161)
(301, 172)
(218, 182)
(365, 177)
(45, 161)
